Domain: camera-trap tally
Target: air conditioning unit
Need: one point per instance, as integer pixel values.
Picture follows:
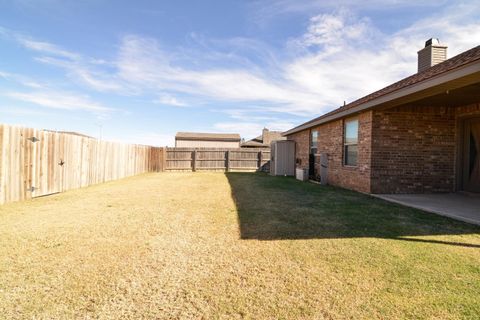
(301, 174)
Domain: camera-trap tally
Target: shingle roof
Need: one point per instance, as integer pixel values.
(259, 141)
(254, 143)
(448, 65)
(207, 136)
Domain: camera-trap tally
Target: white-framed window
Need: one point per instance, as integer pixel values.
(350, 142)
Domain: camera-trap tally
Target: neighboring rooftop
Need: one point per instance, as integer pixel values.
(457, 62)
(207, 136)
(70, 132)
(264, 140)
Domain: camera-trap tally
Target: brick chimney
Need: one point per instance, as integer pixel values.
(266, 136)
(432, 54)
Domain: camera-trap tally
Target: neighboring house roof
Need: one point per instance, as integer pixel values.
(70, 132)
(264, 139)
(207, 136)
(255, 142)
(373, 99)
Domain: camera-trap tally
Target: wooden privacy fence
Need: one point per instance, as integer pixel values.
(217, 159)
(37, 162)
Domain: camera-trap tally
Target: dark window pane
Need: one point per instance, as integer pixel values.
(351, 153)
(473, 153)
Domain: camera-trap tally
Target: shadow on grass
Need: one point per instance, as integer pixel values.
(276, 208)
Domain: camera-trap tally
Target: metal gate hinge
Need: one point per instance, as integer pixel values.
(32, 189)
(33, 139)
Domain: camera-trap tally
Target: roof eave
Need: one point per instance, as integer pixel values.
(443, 78)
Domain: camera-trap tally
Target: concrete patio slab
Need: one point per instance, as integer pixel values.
(459, 206)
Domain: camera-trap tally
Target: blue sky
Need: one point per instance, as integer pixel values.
(143, 70)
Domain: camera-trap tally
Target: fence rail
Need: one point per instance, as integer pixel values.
(38, 162)
(198, 159)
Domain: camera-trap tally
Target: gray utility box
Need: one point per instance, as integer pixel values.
(324, 168)
(301, 174)
(282, 158)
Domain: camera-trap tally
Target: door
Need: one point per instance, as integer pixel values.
(471, 156)
(47, 163)
(313, 151)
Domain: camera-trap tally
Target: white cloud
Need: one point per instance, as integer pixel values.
(169, 100)
(86, 72)
(45, 95)
(147, 138)
(457, 26)
(46, 47)
(340, 57)
(24, 81)
(20, 112)
(60, 100)
(265, 10)
(252, 113)
(335, 29)
(142, 62)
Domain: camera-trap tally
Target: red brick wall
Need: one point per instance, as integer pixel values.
(468, 110)
(330, 141)
(402, 150)
(302, 145)
(413, 150)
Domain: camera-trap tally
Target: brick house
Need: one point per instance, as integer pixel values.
(418, 135)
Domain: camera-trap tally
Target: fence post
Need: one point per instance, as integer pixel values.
(194, 160)
(228, 160)
(260, 160)
(164, 158)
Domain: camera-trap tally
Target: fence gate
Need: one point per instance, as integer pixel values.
(47, 163)
(35, 163)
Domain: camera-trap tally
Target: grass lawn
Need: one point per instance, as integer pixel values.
(213, 245)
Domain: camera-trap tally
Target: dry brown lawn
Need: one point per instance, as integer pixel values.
(216, 246)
